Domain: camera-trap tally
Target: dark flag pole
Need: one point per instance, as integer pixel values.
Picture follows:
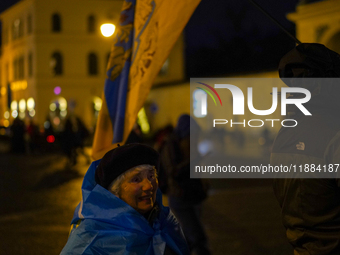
(276, 22)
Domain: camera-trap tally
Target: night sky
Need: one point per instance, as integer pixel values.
(225, 37)
(234, 37)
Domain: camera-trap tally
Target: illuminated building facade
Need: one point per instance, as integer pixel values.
(53, 59)
(318, 23)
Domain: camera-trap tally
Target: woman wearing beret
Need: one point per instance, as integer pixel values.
(121, 210)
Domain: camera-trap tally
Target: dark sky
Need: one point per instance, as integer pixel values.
(4, 4)
(232, 36)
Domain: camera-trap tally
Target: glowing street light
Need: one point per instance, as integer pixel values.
(107, 29)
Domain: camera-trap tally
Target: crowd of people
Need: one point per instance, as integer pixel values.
(29, 138)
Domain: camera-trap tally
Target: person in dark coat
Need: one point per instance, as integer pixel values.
(310, 200)
(18, 130)
(73, 137)
(185, 195)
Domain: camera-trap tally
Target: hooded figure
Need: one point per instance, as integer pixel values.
(310, 201)
(121, 210)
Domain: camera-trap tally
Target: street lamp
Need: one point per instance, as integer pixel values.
(107, 29)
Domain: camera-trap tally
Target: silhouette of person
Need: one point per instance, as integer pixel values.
(34, 137)
(18, 131)
(311, 202)
(73, 136)
(185, 195)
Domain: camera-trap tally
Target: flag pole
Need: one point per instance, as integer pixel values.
(276, 22)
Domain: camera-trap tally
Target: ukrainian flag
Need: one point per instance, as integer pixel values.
(147, 31)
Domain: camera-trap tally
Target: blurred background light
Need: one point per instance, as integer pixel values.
(97, 103)
(14, 105)
(50, 139)
(14, 113)
(31, 113)
(57, 90)
(53, 107)
(22, 105)
(47, 124)
(6, 115)
(63, 114)
(30, 104)
(62, 104)
(22, 115)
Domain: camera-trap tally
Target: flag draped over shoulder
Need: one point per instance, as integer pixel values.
(147, 31)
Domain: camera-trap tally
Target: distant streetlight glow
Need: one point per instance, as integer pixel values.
(22, 105)
(62, 104)
(14, 105)
(30, 104)
(107, 29)
(14, 113)
(97, 103)
(6, 115)
(53, 107)
(31, 113)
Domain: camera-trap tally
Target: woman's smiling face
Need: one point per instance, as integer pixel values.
(139, 189)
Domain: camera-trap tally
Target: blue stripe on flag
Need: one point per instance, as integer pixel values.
(116, 91)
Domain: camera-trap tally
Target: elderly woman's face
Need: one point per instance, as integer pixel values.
(139, 188)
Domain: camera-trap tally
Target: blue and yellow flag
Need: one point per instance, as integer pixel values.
(147, 31)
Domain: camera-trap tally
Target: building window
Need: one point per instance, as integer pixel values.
(15, 69)
(56, 22)
(17, 29)
(56, 63)
(91, 24)
(5, 35)
(92, 64)
(29, 24)
(19, 68)
(30, 64)
(21, 71)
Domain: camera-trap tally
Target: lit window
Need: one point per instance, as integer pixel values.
(21, 71)
(17, 29)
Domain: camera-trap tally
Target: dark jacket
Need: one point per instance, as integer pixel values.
(175, 172)
(310, 200)
(310, 206)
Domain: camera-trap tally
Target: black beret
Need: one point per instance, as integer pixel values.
(117, 161)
